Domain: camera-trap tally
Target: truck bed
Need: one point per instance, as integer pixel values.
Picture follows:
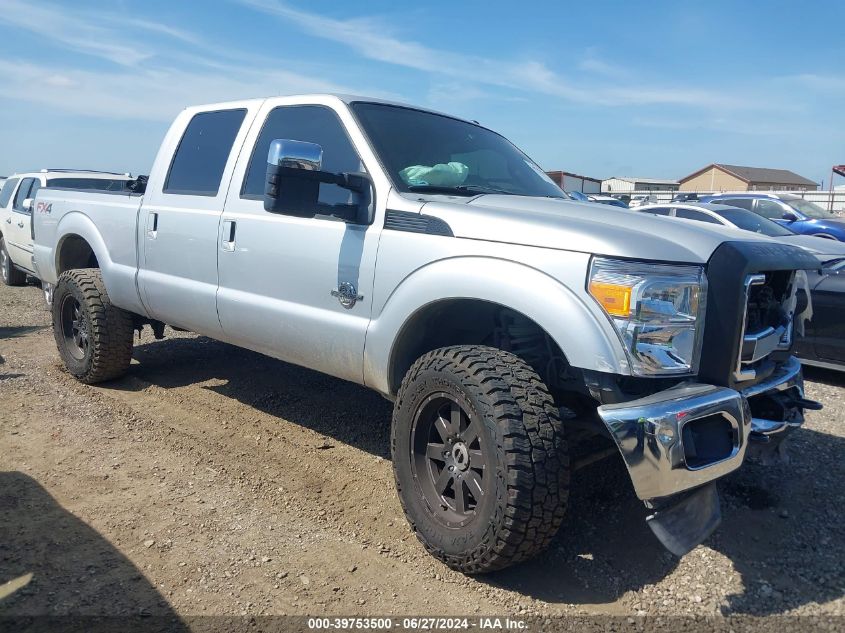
(99, 218)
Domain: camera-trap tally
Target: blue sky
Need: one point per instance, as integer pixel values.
(654, 89)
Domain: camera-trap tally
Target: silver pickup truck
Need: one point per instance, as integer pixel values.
(427, 258)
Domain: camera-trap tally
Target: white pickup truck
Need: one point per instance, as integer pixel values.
(16, 212)
(426, 257)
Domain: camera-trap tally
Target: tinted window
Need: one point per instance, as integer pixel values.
(313, 124)
(689, 214)
(22, 194)
(769, 209)
(810, 209)
(742, 203)
(8, 188)
(95, 184)
(657, 211)
(200, 159)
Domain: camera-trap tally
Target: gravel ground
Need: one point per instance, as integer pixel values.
(212, 480)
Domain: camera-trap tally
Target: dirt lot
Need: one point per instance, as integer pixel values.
(213, 480)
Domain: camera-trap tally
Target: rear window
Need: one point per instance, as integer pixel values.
(200, 159)
(96, 184)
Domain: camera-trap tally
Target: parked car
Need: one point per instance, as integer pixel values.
(686, 196)
(747, 221)
(583, 197)
(16, 212)
(823, 342)
(427, 258)
(609, 200)
(801, 216)
(638, 201)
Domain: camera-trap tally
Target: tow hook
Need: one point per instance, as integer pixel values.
(806, 403)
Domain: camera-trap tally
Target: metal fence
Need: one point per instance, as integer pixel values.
(830, 200)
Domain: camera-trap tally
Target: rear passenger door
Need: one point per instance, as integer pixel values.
(179, 219)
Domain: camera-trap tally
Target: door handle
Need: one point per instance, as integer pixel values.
(20, 225)
(152, 225)
(227, 239)
(8, 220)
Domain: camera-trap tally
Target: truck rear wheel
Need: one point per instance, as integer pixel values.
(11, 275)
(479, 457)
(93, 336)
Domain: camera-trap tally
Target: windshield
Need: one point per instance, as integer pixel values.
(97, 184)
(810, 209)
(423, 151)
(750, 221)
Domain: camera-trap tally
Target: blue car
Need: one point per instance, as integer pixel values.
(799, 215)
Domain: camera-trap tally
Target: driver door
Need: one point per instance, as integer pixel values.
(19, 231)
(280, 276)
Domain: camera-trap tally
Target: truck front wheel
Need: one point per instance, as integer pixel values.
(479, 457)
(93, 336)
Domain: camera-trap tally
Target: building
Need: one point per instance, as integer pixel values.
(720, 177)
(574, 182)
(618, 184)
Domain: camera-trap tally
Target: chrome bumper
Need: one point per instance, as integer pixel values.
(657, 434)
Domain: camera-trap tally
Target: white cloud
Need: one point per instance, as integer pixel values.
(65, 28)
(144, 83)
(373, 39)
(156, 95)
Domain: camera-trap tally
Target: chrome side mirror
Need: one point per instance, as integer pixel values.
(294, 174)
(286, 152)
(293, 177)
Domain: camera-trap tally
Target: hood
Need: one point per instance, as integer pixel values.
(819, 246)
(584, 227)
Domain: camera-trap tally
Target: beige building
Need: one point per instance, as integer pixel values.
(719, 177)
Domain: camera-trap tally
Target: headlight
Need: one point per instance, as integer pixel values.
(657, 309)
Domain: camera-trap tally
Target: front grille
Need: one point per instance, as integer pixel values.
(736, 311)
(767, 323)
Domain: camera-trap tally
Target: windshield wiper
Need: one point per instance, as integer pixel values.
(460, 190)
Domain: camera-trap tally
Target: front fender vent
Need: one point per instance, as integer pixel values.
(416, 223)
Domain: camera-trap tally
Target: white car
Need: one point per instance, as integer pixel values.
(16, 212)
(748, 221)
(638, 201)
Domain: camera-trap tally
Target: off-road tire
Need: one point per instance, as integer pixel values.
(110, 329)
(530, 488)
(10, 275)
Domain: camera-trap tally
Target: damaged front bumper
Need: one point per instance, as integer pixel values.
(688, 436)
